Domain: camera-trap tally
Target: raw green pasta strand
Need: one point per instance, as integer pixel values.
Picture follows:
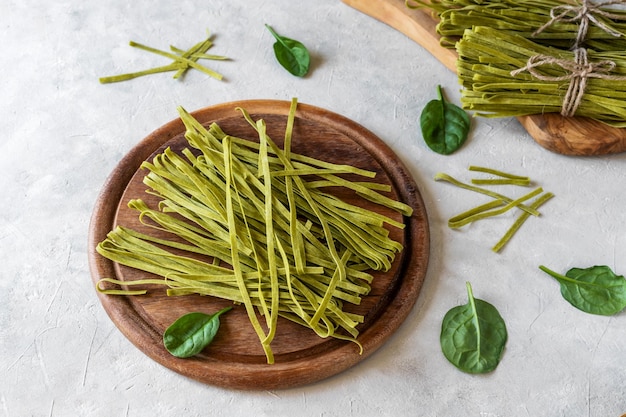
(346, 290)
(325, 326)
(262, 261)
(308, 171)
(200, 47)
(183, 60)
(194, 53)
(321, 205)
(499, 181)
(180, 285)
(270, 242)
(506, 178)
(177, 201)
(269, 259)
(500, 204)
(371, 195)
(302, 165)
(137, 74)
(208, 188)
(520, 221)
(448, 178)
(232, 227)
(297, 240)
(315, 319)
(359, 216)
(198, 55)
(141, 282)
(466, 218)
(371, 185)
(228, 276)
(474, 211)
(289, 278)
(356, 209)
(179, 59)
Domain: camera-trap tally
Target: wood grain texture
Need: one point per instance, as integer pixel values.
(575, 136)
(235, 358)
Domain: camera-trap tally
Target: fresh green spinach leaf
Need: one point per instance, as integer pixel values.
(191, 333)
(594, 290)
(445, 126)
(291, 54)
(473, 335)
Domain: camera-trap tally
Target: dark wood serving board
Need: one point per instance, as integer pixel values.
(235, 359)
(576, 136)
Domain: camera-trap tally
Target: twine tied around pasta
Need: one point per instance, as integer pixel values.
(579, 70)
(584, 13)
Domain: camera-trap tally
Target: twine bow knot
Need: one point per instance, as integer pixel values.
(578, 71)
(584, 13)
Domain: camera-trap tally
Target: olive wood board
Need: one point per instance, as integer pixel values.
(235, 358)
(574, 136)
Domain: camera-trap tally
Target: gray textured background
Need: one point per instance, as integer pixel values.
(63, 133)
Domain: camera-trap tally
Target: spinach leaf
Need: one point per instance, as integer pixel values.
(473, 335)
(291, 54)
(594, 290)
(445, 126)
(191, 333)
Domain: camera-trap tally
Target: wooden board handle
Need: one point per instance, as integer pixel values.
(564, 135)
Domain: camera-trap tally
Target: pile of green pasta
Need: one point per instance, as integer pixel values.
(494, 38)
(273, 238)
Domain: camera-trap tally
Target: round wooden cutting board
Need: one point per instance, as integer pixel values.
(235, 358)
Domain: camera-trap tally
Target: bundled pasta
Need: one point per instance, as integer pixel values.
(504, 74)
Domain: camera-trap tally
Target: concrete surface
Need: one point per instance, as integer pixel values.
(63, 133)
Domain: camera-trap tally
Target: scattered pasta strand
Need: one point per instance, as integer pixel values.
(504, 177)
(520, 221)
(499, 203)
(466, 218)
(182, 60)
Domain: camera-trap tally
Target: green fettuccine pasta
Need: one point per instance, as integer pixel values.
(275, 240)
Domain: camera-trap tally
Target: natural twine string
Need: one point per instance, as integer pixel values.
(579, 70)
(584, 13)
